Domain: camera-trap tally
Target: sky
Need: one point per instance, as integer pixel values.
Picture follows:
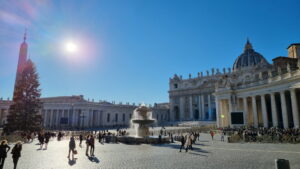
(126, 50)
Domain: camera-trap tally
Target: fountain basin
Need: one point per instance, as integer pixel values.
(142, 121)
(143, 140)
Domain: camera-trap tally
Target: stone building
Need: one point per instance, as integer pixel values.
(75, 112)
(254, 92)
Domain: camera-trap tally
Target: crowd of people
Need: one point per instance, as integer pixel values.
(262, 134)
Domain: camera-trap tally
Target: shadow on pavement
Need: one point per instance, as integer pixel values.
(93, 159)
(72, 162)
(197, 154)
(177, 146)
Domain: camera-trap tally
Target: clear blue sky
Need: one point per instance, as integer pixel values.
(128, 49)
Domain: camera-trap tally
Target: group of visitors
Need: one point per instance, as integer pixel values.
(44, 138)
(16, 152)
(188, 140)
(262, 134)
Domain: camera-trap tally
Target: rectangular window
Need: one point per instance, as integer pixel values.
(123, 117)
(175, 85)
(108, 117)
(116, 118)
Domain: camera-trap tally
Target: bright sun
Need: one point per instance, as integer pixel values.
(71, 47)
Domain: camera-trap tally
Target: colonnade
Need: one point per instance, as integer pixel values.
(194, 107)
(72, 118)
(273, 109)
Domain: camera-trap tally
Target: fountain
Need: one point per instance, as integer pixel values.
(140, 121)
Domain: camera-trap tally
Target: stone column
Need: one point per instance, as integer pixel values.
(284, 110)
(274, 110)
(264, 110)
(181, 108)
(254, 108)
(202, 107)
(245, 107)
(230, 110)
(209, 107)
(45, 117)
(51, 118)
(74, 122)
(199, 108)
(295, 108)
(217, 111)
(191, 117)
(172, 113)
(57, 118)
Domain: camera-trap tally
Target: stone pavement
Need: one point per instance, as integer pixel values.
(206, 155)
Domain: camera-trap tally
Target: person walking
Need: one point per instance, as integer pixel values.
(188, 143)
(99, 137)
(72, 147)
(222, 136)
(182, 142)
(41, 139)
(212, 134)
(87, 141)
(92, 145)
(80, 139)
(16, 153)
(47, 138)
(4, 148)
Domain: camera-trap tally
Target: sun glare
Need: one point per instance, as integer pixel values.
(71, 47)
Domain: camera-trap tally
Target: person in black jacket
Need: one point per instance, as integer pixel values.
(72, 147)
(80, 139)
(16, 153)
(182, 140)
(4, 148)
(47, 138)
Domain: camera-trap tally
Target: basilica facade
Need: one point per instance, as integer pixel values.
(253, 92)
(76, 112)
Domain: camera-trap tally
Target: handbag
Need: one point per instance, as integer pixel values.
(75, 152)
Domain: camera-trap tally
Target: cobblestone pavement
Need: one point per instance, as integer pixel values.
(207, 154)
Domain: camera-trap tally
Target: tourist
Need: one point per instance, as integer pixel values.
(72, 147)
(47, 138)
(212, 134)
(182, 142)
(222, 136)
(4, 148)
(16, 153)
(99, 137)
(188, 143)
(92, 145)
(41, 139)
(87, 141)
(59, 136)
(159, 139)
(80, 139)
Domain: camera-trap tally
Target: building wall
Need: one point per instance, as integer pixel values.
(74, 112)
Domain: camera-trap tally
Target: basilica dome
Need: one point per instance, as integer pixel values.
(249, 58)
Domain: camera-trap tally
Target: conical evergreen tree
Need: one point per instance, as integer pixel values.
(24, 113)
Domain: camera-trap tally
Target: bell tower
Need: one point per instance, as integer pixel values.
(294, 50)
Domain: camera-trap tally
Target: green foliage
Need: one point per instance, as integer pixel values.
(24, 113)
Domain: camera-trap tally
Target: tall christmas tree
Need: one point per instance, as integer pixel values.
(24, 113)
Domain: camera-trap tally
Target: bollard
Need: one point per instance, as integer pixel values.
(282, 164)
